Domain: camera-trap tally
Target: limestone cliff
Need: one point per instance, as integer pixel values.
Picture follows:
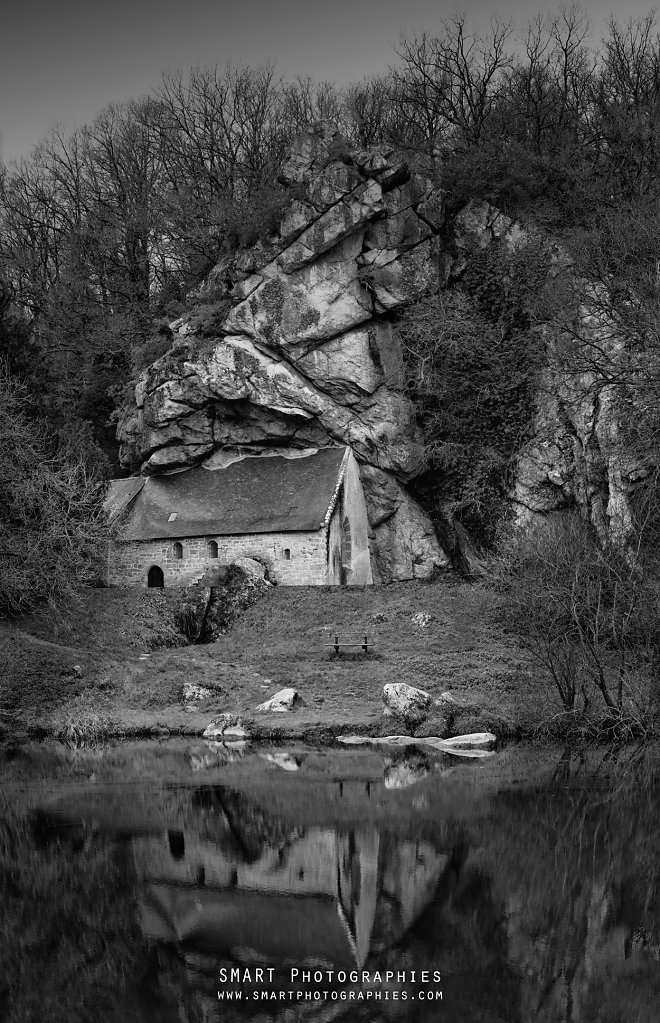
(291, 345)
(574, 455)
(577, 456)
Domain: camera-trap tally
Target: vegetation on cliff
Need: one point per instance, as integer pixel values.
(472, 355)
(105, 230)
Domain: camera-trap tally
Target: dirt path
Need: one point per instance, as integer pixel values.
(61, 647)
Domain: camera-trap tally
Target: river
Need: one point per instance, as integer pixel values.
(185, 881)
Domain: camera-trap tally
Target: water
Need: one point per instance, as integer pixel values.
(190, 882)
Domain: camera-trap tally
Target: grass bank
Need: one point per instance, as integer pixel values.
(116, 667)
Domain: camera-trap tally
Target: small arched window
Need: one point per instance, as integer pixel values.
(287, 554)
(177, 550)
(212, 549)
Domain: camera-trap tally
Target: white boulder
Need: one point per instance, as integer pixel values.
(474, 740)
(254, 570)
(226, 727)
(280, 702)
(406, 701)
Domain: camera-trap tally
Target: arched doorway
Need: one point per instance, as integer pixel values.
(155, 577)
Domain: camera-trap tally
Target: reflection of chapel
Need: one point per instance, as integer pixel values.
(303, 517)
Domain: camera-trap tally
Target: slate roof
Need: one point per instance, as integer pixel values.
(267, 494)
(120, 494)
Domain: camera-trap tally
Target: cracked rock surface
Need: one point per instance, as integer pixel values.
(291, 345)
(575, 456)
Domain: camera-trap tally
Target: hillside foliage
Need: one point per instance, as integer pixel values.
(104, 230)
(52, 530)
(472, 354)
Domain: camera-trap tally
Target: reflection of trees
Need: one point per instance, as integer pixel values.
(546, 909)
(70, 945)
(576, 872)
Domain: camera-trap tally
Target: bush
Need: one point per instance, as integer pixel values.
(472, 360)
(52, 526)
(588, 614)
(210, 606)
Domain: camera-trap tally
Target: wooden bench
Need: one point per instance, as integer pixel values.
(362, 641)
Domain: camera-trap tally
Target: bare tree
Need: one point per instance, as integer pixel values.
(306, 102)
(547, 100)
(372, 111)
(52, 529)
(587, 614)
(225, 133)
(627, 103)
(449, 84)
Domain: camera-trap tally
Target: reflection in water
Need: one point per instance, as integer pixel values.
(312, 898)
(536, 904)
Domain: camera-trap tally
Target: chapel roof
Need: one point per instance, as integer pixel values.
(259, 494)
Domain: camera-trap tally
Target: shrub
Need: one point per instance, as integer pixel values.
(209, 607)
(472, 379)
(85, 731)
(52, 527)
(588, 614)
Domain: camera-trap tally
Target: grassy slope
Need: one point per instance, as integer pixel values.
(280, 641)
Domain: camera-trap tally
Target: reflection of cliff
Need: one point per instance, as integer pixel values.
(602, 971)
(546, 908)
(409, 876)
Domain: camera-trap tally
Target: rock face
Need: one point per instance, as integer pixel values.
(292, 345)
(575, 457)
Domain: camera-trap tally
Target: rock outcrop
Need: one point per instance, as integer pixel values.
(291, 344)
(227, 727)
(575, 456)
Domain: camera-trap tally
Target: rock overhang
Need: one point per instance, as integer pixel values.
(305, 353)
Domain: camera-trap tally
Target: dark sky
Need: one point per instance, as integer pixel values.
(62, 60)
